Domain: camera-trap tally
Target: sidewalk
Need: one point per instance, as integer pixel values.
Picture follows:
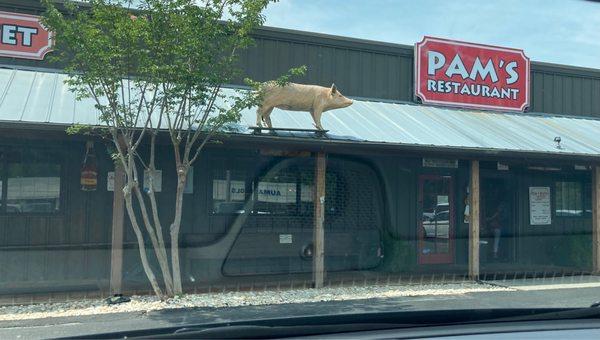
(499, 298)
(567, 282)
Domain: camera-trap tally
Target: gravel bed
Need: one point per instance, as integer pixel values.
(233, 299)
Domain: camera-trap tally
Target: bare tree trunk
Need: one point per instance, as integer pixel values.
(141, 243)
(181, 177)
(164, 261)
(132, 185)
(160, 248)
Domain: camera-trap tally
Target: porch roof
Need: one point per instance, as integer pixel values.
(42, 98)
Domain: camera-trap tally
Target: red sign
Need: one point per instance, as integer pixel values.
(23, 36)
(456, 73)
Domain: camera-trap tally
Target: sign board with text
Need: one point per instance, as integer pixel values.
(471, 75)
(23, 36)
(540, 212)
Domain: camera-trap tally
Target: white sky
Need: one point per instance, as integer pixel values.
(556, 31)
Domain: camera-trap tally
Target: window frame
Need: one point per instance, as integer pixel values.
(4, 162)
(582, 198)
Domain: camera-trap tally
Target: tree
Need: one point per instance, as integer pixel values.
(153, 69)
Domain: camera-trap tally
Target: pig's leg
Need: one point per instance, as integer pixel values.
(266, 116)
(316, 114)
(268, 120)
(258, 117)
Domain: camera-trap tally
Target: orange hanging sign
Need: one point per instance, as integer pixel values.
(89, 170)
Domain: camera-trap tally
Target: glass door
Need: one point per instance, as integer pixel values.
(436, 212)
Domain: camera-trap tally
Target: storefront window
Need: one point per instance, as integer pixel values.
(278, 193)
(568, 199)
(436, 227)
(228, 192)
(32, 180)
(286, 191)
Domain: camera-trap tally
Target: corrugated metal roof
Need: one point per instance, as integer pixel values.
(40, 97)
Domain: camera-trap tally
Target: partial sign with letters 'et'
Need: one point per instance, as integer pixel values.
(470, 75)
(23, 36)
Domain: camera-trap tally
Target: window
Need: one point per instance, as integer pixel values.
(32, 182)
(279, 191)
(228, 192)
(335, 191)
(568, 199)
(290, 192)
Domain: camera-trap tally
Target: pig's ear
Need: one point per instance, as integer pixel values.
(333, 89)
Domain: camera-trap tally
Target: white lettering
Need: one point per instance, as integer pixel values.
(483, 71)
(515, 93)
(27, 32)
(477, 90)
(457, 67)
(465, 90)
(9, 34)
(435, 61)
(440, 85)
(495, 93)
(485, 91)
(510, 69)
(430, 85)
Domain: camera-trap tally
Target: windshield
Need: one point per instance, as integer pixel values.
(204, 161)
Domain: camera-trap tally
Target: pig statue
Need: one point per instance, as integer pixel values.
(297, 97)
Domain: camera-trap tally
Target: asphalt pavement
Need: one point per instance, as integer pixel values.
(530, 293)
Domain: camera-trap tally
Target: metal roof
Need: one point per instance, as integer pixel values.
(44, 98)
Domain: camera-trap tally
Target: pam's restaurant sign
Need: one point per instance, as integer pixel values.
(23, 36)
(463, 74)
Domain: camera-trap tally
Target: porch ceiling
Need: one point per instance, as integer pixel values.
(34, 97)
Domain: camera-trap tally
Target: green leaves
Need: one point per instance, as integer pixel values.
(156, 69)
(255, 98)
(293, 72)
(156, 61)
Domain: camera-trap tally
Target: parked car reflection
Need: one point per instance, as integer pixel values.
(436, 225)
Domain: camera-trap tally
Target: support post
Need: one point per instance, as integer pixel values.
(596, 219)
(474, 220)
(116, 255)
(319, 233)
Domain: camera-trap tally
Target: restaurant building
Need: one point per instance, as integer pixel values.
(413, 176)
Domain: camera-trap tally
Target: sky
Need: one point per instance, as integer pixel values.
(554, 31)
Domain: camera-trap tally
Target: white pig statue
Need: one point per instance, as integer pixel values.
(298, 97)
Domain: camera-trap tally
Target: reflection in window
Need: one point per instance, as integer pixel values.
(229, 192)
(32, 187)
(568, 199)
(335, 191)
(287, 191)
(436, 215)
(278, 193)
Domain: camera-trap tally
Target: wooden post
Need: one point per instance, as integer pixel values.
(319, 233)
(474, 220)
(116, 255)
(596, 219)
